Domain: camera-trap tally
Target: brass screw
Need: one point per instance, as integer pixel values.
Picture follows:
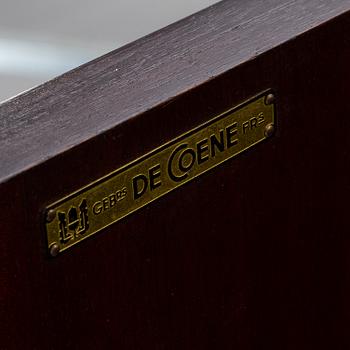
(269, 130)
(270, 99)
(50, 215)
(54, 249)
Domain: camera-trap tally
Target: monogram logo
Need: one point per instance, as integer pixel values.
(73, 224)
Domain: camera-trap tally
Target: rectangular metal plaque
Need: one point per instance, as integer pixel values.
(109, 199)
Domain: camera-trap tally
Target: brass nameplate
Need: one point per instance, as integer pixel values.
(142, 181)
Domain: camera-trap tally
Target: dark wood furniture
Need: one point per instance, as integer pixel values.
(252, 255)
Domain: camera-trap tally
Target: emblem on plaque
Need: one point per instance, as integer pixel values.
(73, 224)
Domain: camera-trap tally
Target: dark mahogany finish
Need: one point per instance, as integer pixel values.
(255, 254)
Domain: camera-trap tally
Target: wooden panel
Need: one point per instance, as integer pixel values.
(225, 261)
(103, 94)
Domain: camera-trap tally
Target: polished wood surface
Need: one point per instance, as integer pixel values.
(251, 255)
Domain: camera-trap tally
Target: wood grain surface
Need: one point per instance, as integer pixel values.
(79, 105)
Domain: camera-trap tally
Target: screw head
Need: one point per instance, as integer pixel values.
(269, 130)
(50, 215)
(54, 249)
(270, 99)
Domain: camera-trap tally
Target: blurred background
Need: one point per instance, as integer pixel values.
(40, 39)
